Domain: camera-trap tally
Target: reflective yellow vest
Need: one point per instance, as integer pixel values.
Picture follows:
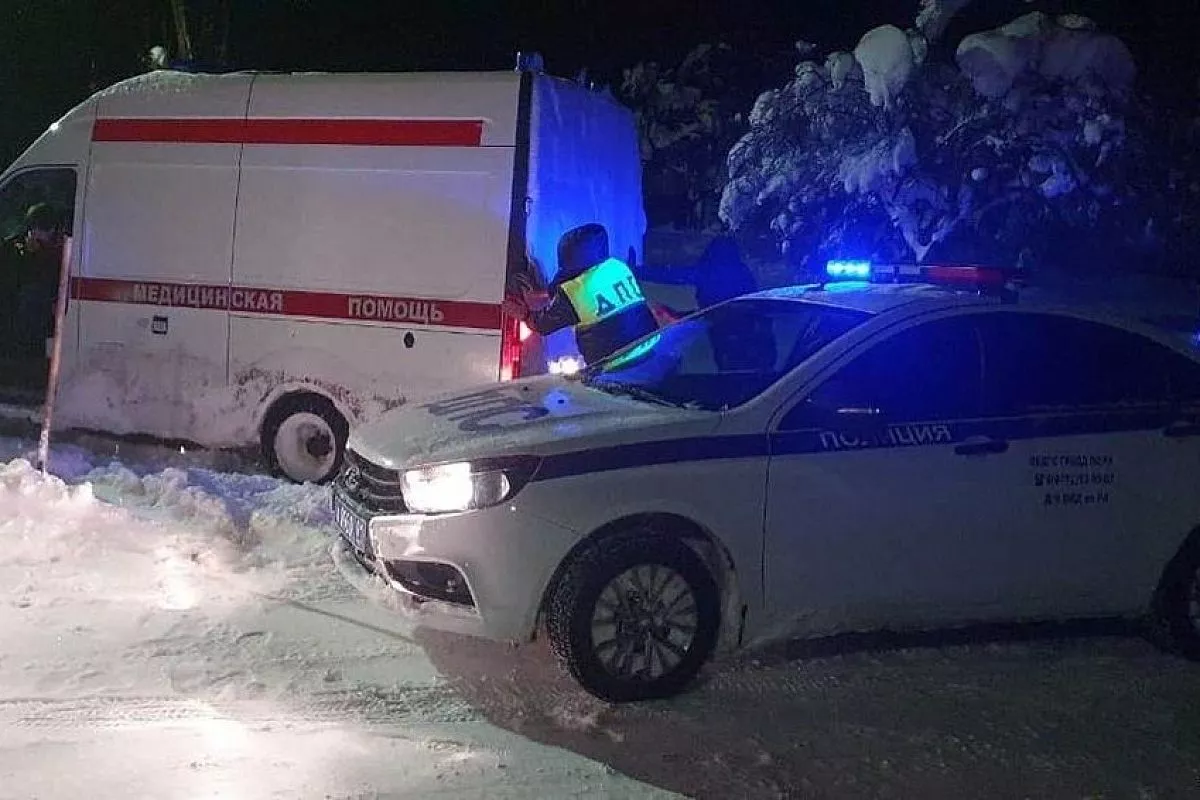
(602, 291)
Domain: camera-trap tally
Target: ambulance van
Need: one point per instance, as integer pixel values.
(268, 259)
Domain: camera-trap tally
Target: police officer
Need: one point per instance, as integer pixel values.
(593, 292)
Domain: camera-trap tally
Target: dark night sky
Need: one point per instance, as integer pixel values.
(51, 50)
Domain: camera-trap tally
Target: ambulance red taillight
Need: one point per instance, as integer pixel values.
(513, 334)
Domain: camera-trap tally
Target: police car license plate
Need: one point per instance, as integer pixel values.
(351, 523)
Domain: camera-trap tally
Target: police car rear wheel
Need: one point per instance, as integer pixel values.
(634, 617)
(1179, 602)
(304, 438)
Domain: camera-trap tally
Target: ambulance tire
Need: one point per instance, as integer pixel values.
(296, 413)
(1177, 604)
(591, 574)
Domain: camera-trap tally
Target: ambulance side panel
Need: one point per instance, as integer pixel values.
(159, 216)
(398, 238)
(585, 166)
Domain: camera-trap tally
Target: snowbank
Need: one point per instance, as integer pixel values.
(175, 395)
(151, 531)
(183, 545)
(114, 563)
(36, 511)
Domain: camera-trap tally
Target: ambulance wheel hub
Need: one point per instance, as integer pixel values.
(303, 437)
(304, 447)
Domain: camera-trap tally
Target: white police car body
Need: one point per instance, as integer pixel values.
(807, 460)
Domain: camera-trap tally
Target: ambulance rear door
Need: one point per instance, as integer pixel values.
(585, 166)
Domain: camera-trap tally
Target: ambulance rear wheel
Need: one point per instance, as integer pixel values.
(634, 617)
(304, 438)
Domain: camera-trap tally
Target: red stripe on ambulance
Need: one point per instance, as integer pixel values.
(292, 303)
(364, 132)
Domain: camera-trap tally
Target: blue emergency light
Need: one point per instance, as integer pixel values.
(849, 270)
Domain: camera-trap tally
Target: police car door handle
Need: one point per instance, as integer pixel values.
(1182, 429)
(981, 446)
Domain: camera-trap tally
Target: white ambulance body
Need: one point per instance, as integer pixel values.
(262, 258)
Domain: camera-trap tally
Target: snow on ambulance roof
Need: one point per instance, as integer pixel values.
(487, 99)
(166, 81)
(477, 108)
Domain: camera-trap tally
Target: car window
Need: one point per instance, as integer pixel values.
(53, 187)
(929, 372)
(1034, 363)
(724, 356)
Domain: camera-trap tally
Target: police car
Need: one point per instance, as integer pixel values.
(905, 447)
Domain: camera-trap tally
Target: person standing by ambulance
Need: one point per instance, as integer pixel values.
(719, 275)
(596, 294)
(44, 238)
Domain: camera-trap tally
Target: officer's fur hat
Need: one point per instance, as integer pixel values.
(582, 248)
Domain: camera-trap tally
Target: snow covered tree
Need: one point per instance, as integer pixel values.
(688, 117)
(1180, 177)
(1025, 150)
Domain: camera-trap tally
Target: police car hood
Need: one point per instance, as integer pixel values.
(540, 416)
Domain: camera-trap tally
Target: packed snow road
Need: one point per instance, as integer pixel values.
(173, 626)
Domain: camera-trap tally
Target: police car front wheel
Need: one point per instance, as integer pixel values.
(634, 617)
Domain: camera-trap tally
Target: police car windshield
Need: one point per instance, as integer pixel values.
(724, 356)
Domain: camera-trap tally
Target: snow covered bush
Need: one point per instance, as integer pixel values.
(1026, 149)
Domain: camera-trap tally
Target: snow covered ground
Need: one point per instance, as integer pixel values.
(183, 633)
(172, 625)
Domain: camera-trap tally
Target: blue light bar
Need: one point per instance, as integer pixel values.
(849, 270)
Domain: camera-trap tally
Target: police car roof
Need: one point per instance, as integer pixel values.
(876, 298)
(915, 298)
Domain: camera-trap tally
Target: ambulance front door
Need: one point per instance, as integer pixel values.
(37, 217)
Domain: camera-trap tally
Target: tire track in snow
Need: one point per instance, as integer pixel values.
(435, 705)
(524, 691)
(1070, 717)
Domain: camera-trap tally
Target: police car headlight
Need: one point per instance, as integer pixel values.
(465, 486)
